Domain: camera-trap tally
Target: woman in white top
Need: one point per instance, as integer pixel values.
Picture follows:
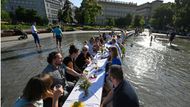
(37, 89)
(35, 35)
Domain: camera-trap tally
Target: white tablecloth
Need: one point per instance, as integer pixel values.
(95, 90)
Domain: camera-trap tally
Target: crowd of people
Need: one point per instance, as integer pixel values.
(52, 87)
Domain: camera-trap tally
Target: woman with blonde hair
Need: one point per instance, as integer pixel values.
(114, 56)
(37, 89)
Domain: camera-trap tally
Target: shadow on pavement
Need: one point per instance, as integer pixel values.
(26, 54)
(10, 40)
(12, 50)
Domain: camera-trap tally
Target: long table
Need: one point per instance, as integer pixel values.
(95, 90)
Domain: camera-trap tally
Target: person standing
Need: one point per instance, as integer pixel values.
(151, 38)
(136, 31)
(150, 31)
(57, 33)
(35, 35)
(172, 37)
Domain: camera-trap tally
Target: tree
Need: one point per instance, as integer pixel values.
(182, 15)
(142, 22)
(110, 22)
(119, 22)
(78, 15)
(163, 16)
(86, 15)
(66, 16)
(4, 14)
(89, 9)
(20, 14)
(29, 16)
(128, 19)
(59, 15)
(136, 22)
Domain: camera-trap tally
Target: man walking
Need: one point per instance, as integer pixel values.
(57, 33)
(35, 35)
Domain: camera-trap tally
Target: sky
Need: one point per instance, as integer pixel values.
(78, 2)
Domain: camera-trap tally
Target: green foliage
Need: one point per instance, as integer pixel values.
(28, 16)
(3, 4)
(18, 26)
(128, 19)
(125, 21)
(108, 27)
(59, 15)
(136, 22)
(182, 15)
(78, 15)
(20, 14)
(68, 28)
(88, 28)
(79, 28)
(5, 15)
(142, 22)
(88, 11)
(154, 22)
(110, 22)
(87, 19)
(163, 16)
(78, 104)
(66, 16)
(85, 84)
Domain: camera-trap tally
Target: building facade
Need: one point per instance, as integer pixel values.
(45, 8)
(147, 10)
(114, 9)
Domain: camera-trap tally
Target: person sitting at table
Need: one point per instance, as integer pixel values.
(101, 42)
(90, 45)
(119, 39)
(122, 93)
(104, 36)
(114, 43)
(57, 70)
(108, 36)
(115, 59)
(96, 45)
(37, 89)
(112, 60)
(86, 45)
(69, 61)
(83, 59)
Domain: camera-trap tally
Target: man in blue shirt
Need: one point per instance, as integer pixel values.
(57, 33)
